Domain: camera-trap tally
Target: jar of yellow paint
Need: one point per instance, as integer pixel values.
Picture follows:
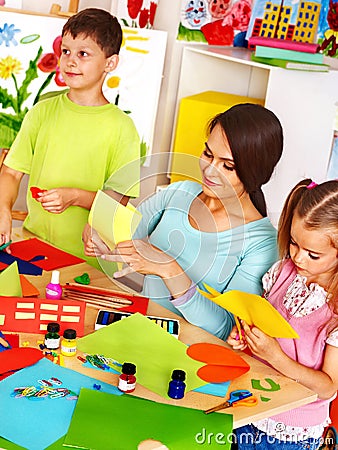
(68, 343)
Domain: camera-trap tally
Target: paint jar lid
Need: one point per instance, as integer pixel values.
(128, 368)
(53, 327)
(55, 277)
(178, 375)
(69, 334)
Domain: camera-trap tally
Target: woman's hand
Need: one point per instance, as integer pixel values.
(57, 200)
(262, 345)
(142, 257)
(234, 340)
(93, 244)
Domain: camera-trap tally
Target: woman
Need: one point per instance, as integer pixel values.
(215, 233)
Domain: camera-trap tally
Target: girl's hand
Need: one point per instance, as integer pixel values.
(261, 345)
(234, 340)
(93, 244)
(140, 256)
(57, 200)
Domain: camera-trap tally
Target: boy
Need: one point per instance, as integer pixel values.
(75, 143)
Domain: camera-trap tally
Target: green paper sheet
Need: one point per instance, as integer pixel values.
(10, 285)
(153, 350)
(106, 422)
(113, 222)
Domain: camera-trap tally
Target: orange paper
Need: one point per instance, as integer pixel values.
(28, 289)
(223, 364)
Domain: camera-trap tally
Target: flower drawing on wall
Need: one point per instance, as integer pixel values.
(11, 68)
(137, 13)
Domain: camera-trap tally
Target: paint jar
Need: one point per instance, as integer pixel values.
(52, 337)
(127, 379)
(177, 385)
(54, 289)
(68, 343)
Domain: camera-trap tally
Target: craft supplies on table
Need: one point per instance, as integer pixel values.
(105, 318)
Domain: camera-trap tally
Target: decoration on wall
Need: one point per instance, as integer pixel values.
(216, 22)
(328, 28)
(30, 50)
(137, 13)
(291, 20)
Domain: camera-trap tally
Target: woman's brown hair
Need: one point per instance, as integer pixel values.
(255, 137)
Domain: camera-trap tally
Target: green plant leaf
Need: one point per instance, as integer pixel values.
(43, 86)
(9, 126)
(31, 74)
(6, 99)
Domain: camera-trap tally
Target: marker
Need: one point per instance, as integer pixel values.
(7, 244)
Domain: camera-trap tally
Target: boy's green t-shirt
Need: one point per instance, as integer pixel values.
(62, 144)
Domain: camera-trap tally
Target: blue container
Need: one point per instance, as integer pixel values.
(177, 385)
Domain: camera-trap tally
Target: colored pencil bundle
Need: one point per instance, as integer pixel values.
(107, 298)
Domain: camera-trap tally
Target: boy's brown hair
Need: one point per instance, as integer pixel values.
(100, 26)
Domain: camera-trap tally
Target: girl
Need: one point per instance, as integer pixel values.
(303, 287)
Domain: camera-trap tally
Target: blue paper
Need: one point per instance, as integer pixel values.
(24, 267)
(36, 424)
(218, 389)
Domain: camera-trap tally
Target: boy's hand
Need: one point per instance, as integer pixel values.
(234, 341)
(5, 229)
(57, 200)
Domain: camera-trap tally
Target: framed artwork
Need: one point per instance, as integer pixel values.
(216, 22)
(29, 54)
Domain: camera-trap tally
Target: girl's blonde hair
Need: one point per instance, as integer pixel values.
(317, 206)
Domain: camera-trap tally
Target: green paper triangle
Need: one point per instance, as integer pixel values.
(10, 281)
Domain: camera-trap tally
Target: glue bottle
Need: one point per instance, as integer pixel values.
(54, 289)
(177, 385)
(127, 379)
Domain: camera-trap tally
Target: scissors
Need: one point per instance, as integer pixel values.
(241, 397)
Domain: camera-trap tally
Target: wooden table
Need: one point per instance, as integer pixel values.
(291, 394)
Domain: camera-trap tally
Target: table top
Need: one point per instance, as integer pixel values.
(291, 394)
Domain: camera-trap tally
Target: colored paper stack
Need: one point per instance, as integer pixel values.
(288, 54)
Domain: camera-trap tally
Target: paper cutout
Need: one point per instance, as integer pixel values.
(147, 420)
(35, 191)
(28, 289)
(155, 352)
(217, 389)
(10, 282)
(54, 258)
(24, 267)
(17, 358)
(218, 374)
(255, 310)
(223, 364)
(32, 315)
(265, 399)
(256, 384)
(28, 433)
(113, 222)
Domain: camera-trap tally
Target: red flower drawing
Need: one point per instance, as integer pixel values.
(143, 18)
(153, 7)
(49, 62)
(134, 7)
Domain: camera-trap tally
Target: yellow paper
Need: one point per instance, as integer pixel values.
(113, 222)
(10, 285)
(255, 310)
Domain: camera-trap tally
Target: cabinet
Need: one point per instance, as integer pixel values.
(304, 102)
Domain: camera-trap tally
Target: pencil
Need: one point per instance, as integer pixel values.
(239, 328)
(3, 342)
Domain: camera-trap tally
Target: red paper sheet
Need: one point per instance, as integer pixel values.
(31, 315)
(54, 257)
